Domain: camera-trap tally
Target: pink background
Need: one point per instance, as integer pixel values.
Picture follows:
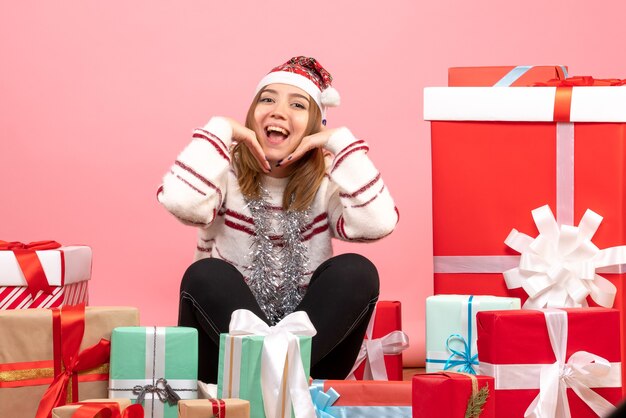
(97, 98)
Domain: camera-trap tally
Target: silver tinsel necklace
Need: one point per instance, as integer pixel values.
(277, 275)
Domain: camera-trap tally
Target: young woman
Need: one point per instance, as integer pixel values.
(267, 198)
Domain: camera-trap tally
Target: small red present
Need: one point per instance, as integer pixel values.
(99, 408)
(358, 399)
(453, 395)
(504, 76)
(570, 356)
(380, 357)
(43, 274)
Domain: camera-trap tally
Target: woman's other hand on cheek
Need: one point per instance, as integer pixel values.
(317, 140)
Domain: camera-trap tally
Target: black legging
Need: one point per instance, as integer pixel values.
(339, 301)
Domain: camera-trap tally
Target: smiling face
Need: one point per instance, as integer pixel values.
(281, 117)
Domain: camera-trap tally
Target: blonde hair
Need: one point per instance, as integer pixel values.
(308, 171)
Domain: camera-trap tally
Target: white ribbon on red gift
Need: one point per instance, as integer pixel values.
(373, 351)
(558, 268)
(283, 380)
(564, 215)
(581, 372)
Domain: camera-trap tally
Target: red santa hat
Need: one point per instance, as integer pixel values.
(307, 74)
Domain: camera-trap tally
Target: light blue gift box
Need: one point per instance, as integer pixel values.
(451, 329)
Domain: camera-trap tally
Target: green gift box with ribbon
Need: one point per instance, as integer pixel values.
(154, 366)
(267, 366)
(451, 329)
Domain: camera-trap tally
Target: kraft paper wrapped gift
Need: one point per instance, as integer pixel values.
(90, 408)
(453, 395)
(362, 399)
(43, 274)
(29, 358)
(218, 408)
(380, 356)
(268, 366)
(451, 329)
(504, 76)
(153, 366)
(571, 355)
(500, 153)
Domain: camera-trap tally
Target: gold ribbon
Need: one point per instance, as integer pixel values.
(10, 376)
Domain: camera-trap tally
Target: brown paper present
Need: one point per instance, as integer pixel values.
(220, 408)
(67, 411)
(27, 361)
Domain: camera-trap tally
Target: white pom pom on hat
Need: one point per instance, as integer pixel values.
(307, 74)
(330, 97)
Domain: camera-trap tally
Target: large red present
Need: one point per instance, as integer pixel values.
(504, 76)
(499, 153)
(361, 399)
(380, 356)
(453, 395)
(43, 274)
(571, 355)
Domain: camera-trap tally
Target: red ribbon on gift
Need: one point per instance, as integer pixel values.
(68, 327)
(107, 410)
(29, 263)
(219, 408)
(563, 97)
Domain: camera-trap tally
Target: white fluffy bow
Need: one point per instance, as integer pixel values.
(558, 268)
(283, 380)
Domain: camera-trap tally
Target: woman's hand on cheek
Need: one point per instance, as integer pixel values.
(318, 140)
(247, 136)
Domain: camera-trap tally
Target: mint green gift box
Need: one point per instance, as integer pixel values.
(239, 373)
(154, 360)
(451, 329)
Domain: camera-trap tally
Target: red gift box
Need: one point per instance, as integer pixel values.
(358, 399)
(43, 274)
(521, 347)
(446, 394)
(514, 76)
(384, 329)
(498, 153)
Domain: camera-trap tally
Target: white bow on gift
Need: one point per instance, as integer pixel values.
(373, 351)
(558, 268)
(581, 371)
(283, 380)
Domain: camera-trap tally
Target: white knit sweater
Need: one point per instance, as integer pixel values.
(201, 189)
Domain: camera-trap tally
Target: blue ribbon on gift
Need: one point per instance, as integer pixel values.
(322, 401)
(516, 73)
(466, 360)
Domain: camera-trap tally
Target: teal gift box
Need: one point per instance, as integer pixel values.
(267, 366)
(154, 366)
(451, 329)
(239, 373)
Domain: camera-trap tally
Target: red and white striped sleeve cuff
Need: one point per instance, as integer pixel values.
(220, 127)
(339, 140)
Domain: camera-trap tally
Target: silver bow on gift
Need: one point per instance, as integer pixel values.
(164, 392)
